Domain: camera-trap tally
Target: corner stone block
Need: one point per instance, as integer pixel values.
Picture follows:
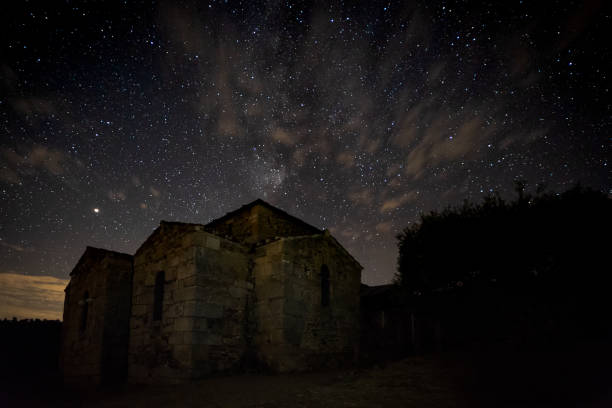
(237, 292)
(176, 310)
(200, 324)
(243, 284)
(198, 239)
(187, 240)
(150, 279)
(183, 324)
(196, 338)
(183, 353)
(275, 249)
(175, 261)
(276, 336)
(138, 288)
(190, 308)
(199, 309)
(139, 310)
(136, 341)
(186, 270)
(270, 290)
(214, 340)
(144, 299)
(200, 352)
(136, 323)
(169, 297)
(213, 243)
(189, 293)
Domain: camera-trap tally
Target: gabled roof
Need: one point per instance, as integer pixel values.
(180, 224)
(261, 202)
(160, 227)
(98, 254)
(343, 249)
(210, 227)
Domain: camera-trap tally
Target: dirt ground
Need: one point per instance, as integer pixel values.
(427, 385)
(480, 379)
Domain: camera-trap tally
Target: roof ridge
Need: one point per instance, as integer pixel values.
(90, 250)
(108, 251)
(181, 223)
(265, 204)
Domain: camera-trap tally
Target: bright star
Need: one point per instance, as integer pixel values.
(96, 210)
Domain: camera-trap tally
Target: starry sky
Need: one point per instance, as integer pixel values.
(354, 116)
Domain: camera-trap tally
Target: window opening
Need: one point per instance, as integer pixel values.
(158, 299)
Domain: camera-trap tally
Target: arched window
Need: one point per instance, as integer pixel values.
(324, 286)
(158, 298)
(84, 312)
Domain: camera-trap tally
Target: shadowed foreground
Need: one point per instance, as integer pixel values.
(503, 376)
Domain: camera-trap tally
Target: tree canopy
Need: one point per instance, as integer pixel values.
(555, 243)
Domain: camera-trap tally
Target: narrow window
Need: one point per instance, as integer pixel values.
(158, 299)
(84, 312)
(324, 286)
(67, 298)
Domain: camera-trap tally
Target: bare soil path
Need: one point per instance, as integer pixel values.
(475, 379)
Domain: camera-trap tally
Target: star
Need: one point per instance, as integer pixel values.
(359, 118)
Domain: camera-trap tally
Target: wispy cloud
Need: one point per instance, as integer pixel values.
(363, 196)
(284, 137)
(26, 296)
(346, 159)
(384, 227)
(397, 202)
(33, 106)
(30, 160)
(44, 157)
(14, 247)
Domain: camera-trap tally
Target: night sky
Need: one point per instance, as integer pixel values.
(355, 117)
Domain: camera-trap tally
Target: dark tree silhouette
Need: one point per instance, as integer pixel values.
(29, 349)
(541, 258)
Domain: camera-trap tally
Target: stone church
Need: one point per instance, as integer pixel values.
(256, 287)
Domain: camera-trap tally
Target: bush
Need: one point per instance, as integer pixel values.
(541, 257)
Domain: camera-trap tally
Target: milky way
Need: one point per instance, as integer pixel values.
(353, 117)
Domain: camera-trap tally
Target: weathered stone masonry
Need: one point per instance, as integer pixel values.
(204, 297)
(256, 285)
(96, 318)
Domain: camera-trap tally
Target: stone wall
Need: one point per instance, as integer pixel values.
(117, 308)
(269, 302)
(206, 291)
(95, 326)
(271, 225)
(198, 299)
(295, 331)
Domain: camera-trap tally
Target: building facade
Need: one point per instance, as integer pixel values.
(257, 287)
(96, 320)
